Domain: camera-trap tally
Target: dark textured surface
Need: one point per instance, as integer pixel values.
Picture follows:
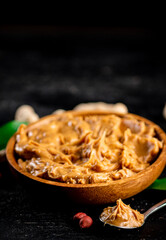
(60, 70)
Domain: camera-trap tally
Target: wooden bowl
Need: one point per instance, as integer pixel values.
(98, 193)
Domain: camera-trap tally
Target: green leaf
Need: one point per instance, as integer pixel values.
(159, 184)
(7, 130)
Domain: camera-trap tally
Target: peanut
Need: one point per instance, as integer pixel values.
(58, 111)
(26, 113)
(114, 108)
(79, 215)
(85, 222)
(164, 111)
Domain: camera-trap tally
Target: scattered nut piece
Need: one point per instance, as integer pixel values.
(58, 111)
(85, 222)
(164, 111)
(2, 155)
(26, 113)
(79, 215)
(116, 108)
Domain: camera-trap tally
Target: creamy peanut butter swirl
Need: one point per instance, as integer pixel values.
(122, 215)
(87, 149)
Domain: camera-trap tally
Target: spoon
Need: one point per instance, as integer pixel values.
(146, 214)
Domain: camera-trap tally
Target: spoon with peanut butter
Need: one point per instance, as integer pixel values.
(123, 216)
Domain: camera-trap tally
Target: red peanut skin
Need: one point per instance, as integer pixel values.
(85, 222)
(79, 215)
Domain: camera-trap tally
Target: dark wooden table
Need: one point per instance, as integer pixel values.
(51, 68)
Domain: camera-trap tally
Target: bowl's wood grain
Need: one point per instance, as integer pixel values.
(99, 193)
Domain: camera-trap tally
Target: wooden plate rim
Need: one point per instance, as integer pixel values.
(12, 161)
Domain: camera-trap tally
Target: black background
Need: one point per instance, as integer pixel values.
(51, 66)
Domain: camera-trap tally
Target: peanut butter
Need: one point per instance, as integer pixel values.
(122, 215)
(87, 149)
